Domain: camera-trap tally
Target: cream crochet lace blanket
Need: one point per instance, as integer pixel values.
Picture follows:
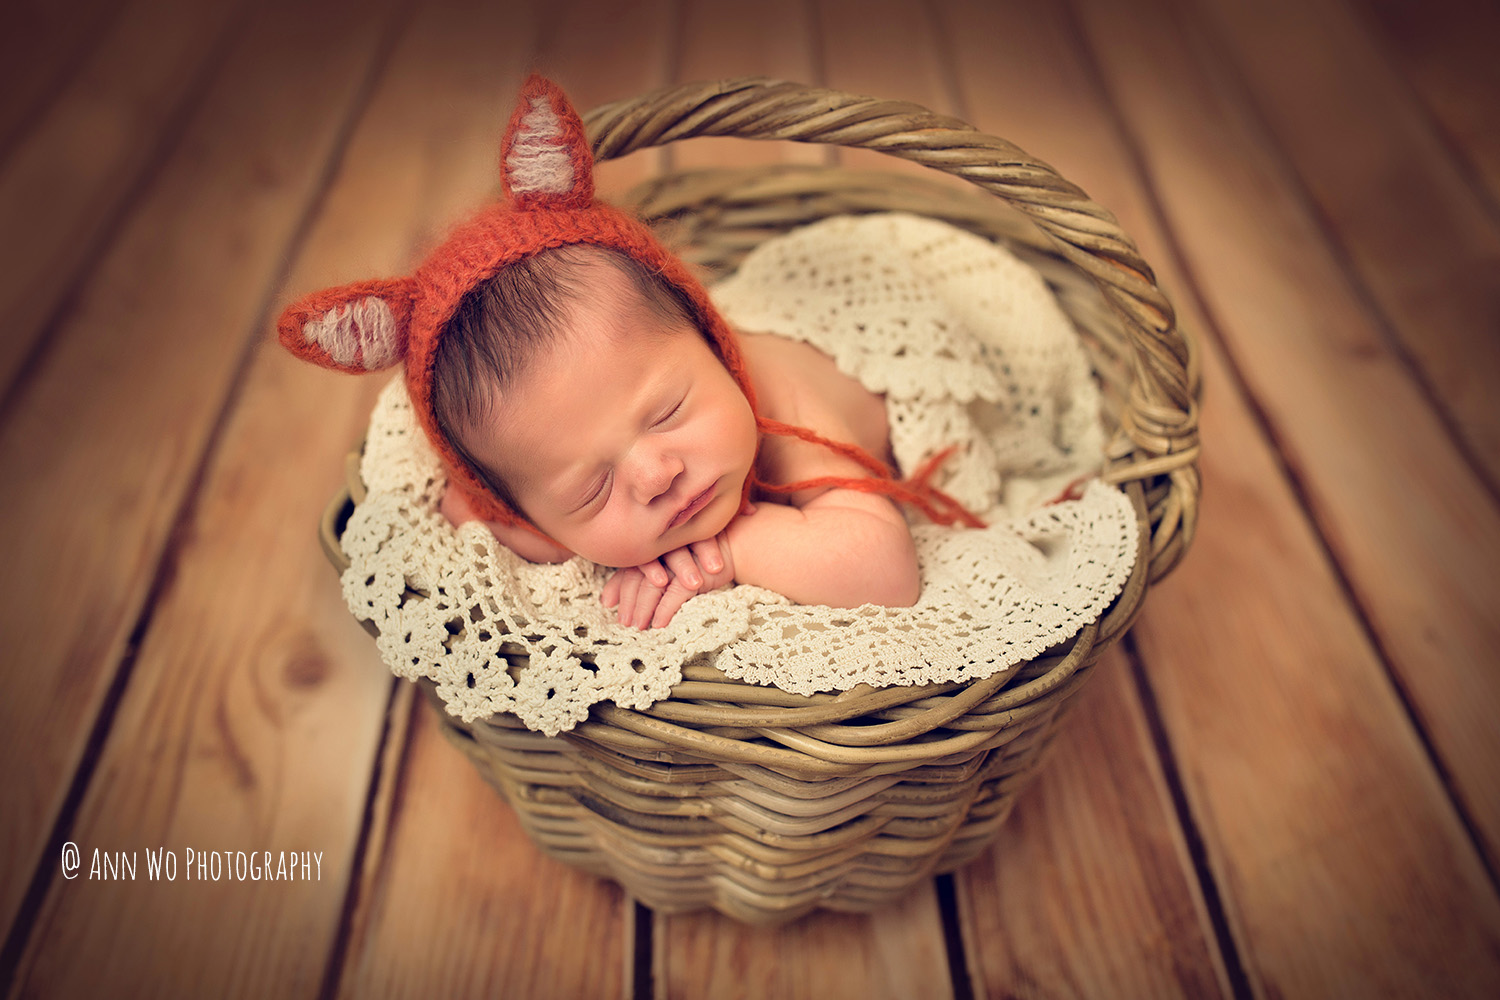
(968, 346)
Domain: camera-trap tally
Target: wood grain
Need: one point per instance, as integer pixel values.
(1445, 50)
(720, 40)
(1295, 750)
(1423, 243)
(463, 904)
(110, 431)
(1089, 890)
(40, 51)
(1414, 531)
(1342, 866)
(248, 728)
(896, 951)
(62, 187)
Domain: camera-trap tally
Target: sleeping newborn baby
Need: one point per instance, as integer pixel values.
(610, 422)
(588, 399)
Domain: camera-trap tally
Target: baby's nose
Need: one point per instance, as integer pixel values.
(656, 474)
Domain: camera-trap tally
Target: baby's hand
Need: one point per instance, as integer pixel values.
(647, 596)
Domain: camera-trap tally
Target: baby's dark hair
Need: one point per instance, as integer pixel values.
(502, 324)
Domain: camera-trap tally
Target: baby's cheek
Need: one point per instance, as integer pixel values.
(744, 435)
(620, 551)
(724, 512)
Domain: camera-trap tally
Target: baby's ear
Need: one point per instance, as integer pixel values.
(353, 328)
(544, 158)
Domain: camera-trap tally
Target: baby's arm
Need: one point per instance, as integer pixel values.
(523, 542)
(843, 548)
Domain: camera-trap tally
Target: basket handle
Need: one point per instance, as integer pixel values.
(1159, 422)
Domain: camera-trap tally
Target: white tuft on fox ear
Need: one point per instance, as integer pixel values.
(362, 332)
(538, 161)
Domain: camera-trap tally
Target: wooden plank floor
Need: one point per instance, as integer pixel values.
(1284, 783)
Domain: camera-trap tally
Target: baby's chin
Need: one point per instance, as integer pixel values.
(704, 527)
(701, 530)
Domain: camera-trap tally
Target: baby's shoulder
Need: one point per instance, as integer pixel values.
(797, 384)
(780, 371)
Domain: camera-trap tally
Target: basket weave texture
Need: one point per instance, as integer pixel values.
(763, 804)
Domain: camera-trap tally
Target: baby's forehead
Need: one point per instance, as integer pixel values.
(608, 338)
(596, 269)
(608, 299)
(581, 396)
(608, 283)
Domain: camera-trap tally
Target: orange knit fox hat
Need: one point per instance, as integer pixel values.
(547, 178)
(547, 175)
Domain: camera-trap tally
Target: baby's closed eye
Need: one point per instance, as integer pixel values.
(671, 414)
(600, 491)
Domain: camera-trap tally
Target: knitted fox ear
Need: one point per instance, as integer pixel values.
(544, 158)
(352, 328)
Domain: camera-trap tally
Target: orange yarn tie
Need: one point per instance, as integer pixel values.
(916, 490)
(1073, 491)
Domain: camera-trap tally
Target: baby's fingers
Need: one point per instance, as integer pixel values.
(708, 555)
(655, 574)
(680, 562)
(630, 587)
(671, 602)
(647, 599)
(610, 595)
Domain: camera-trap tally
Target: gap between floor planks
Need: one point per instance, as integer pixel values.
(1425, 259)
(1089, 162)
(244, 325)
(1150, 892)
(127, 107)
(1444, 51)
(1122, 37)
(1414, 556)
(44, 46)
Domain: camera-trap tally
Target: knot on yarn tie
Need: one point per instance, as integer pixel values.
(1073, 491)
(917, 490)
(925, 496)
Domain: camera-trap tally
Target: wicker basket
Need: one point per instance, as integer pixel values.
(763, 804)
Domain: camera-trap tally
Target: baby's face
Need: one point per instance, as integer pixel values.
(626, 437)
